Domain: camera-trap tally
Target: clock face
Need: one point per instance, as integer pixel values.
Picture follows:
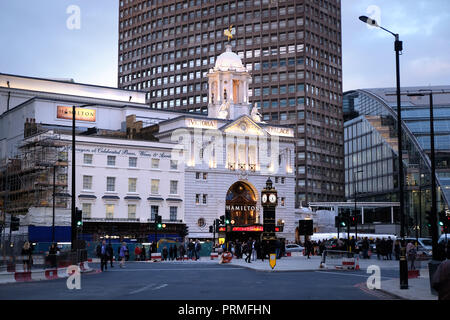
(273, 198)
(264, 198)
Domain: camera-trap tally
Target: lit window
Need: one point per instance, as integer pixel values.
(155, 186)
(155, 163)
(109, 211)
(131, 211)
(132, 184)
(87, 209)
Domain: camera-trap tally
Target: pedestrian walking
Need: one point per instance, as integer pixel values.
(397, 250)
(143, 255)
(110, 251)
(165, 253)
(182, 251)
(411, 252)
(137, 253)
(175, 251)
(390, 245)
(123, 254)
(191, 249)
(198, 247)
(247, 249)
(102, 253)
(254, 251)
(27, 258)
(53, 251)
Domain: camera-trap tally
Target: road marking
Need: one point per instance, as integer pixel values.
(160, 287)
(143, 288)
(352, 274)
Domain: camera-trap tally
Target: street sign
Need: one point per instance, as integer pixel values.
(273, 260)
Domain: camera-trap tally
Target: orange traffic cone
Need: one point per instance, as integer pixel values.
(357, 264)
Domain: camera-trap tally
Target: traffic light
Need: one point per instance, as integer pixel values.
(211, 229)
(428, 219)
(227, 221)
(305, 227)
(15, 222)
(217, 223)
(158, 221)
(184, 231)
(222, 220)
(337, 221)
(78, 217)
(353, 221)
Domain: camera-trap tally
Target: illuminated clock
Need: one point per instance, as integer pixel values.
(273, 198)
(264, 198)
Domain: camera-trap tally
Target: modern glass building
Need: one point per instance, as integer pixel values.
(371, 150)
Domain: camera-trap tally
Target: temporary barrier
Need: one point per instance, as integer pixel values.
(226, 257)
(156, 257)
(214, 255)
(339, 260)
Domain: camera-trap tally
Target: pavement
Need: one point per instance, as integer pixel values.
(419, 288)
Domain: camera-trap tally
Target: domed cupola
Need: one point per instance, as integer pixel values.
(228, 87)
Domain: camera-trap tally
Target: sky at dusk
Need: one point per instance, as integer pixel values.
(36, 41)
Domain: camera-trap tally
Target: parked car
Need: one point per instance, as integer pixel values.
(424, 247)
(292, 247)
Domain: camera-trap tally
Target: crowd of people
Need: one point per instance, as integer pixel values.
(169, 252)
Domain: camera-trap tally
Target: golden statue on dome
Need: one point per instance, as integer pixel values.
(230, 32)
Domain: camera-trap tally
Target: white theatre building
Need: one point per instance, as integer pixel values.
(133, 162)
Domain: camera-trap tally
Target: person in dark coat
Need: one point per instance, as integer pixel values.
(247, 250)
(182, 251)
(170, 253)
(143, 255)
(26, 253)
(441, 280)
(282, 248)
(389, 247)
(397, 249)
(102, 253)
(175, 251)
(110, 251)
(165, 253)
(52, 252)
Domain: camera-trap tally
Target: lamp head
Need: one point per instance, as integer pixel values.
(369, 21)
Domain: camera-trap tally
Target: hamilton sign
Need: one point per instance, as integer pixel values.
(240, 208)
(81, 114)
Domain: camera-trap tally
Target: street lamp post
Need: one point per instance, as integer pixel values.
(356, 213)
(73, 236)
(398, 46)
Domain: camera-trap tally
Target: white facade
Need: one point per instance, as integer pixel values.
(121, 179)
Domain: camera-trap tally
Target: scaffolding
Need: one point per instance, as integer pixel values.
(29, 178)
